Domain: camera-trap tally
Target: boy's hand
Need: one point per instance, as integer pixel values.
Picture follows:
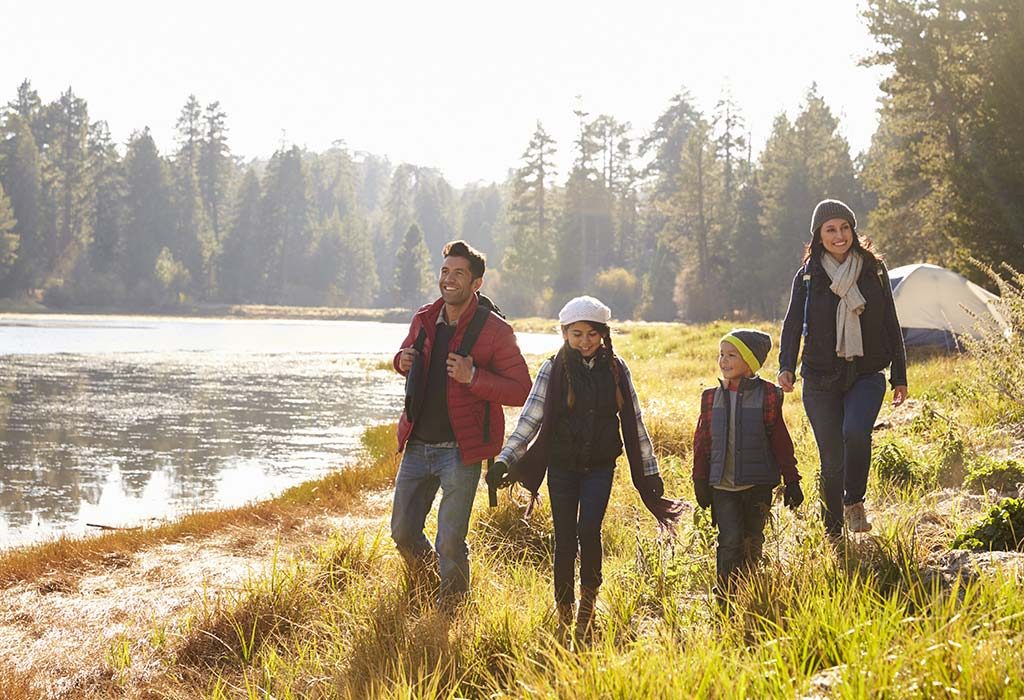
(899, 395)
(786, 380)
(793, 495)
(702, 490)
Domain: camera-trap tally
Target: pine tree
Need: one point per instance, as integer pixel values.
(20, 177)
(242, 263)
(216, 169)
(8, 236)
(285, 221)
(150, 221)
(413, 279)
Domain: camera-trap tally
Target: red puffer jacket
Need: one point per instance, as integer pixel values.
(501, 379)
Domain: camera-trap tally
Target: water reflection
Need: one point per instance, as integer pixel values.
(212, 414)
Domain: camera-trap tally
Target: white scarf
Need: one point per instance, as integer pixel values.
(849, 342)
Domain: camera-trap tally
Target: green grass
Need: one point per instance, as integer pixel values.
(874, 612)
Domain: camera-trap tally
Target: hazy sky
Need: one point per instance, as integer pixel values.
(454, 85)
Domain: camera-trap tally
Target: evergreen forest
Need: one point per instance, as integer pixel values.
(678, 219)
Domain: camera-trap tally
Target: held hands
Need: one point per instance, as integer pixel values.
(498, 475)
(406, 358)
(793, 496)
(786, 380)
(702, 490)
(899, 395)
(460, 368)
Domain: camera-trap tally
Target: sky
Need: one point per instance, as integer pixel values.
(454, 85)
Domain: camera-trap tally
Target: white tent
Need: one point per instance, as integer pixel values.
(933, 303)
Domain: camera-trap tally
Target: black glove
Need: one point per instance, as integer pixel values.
(653, 485)
(702, 490)
(793, 496)
(496, 472)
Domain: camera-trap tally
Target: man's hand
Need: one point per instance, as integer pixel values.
(786, 381)
(702, 490)
(406, 358)
(460, 368)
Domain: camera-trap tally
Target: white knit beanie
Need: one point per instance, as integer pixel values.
(584, 309)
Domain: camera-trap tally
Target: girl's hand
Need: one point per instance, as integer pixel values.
(786, 380)
(899, 395)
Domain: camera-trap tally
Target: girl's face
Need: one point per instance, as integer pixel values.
(732, 364)
(583, 337)
(837, 237)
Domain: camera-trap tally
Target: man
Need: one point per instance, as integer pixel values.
(459, 420)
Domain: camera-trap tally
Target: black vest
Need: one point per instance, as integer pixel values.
(754, 461)
(605, 443)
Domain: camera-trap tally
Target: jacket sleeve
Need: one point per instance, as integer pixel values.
(506, 380)
(530, 419)
(650, 462)
(793, 326)
(898, 370)
(702, 439)
(410, 338)
(779, 439)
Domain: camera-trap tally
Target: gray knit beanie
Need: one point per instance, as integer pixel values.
(753, 345)
(831, 209)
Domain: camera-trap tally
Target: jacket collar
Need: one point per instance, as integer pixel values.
(745, 383)
(431, 313)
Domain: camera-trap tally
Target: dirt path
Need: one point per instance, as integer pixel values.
(67, 630)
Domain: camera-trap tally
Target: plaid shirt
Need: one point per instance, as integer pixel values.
(779, 440)
(532, 416)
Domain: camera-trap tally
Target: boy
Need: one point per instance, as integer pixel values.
(740, 447)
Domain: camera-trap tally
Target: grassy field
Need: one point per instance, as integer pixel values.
(881, 615)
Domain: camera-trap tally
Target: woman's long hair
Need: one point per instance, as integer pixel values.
(606, 344)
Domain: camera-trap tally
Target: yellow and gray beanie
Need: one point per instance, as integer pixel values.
(753, 345)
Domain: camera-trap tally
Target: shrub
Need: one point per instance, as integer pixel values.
(895, 466)
(1000, 347)
(619, 289)
(1002, 529)
(985, 473)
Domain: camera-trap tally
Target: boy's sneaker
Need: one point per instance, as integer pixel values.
(856, 519)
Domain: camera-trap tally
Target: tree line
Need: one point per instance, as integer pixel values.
(675, 221)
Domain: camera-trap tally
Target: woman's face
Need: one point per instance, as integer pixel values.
(837, 237)
(583, 337)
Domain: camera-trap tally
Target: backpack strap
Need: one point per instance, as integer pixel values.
(476, 324)
(806, 274)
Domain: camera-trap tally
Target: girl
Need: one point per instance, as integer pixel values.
(582, 409)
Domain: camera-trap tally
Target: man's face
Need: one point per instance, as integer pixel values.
(456, 281)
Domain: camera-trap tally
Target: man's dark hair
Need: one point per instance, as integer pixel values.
(461, 249)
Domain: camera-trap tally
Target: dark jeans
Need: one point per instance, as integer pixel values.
(842, 423)
(578, 503)
(740, 516)
(424, 468)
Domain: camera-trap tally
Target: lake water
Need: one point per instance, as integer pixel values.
(117, 420)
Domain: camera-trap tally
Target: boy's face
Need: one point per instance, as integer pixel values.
(731, 363)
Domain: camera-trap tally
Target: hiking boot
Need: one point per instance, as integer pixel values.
(585, 618)
(856, 519)
(565, 617)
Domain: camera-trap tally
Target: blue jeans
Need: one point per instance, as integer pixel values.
(842, 422)
(578, 503)
(740, 516)
(424, 468)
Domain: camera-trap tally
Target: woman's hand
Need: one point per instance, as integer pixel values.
(899, 395)
(786, 380)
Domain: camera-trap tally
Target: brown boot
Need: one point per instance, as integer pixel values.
(585, 617)
(565, 617)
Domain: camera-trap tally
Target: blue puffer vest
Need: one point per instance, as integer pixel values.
(754, 461)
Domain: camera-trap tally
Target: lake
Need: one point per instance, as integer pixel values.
(116, 420)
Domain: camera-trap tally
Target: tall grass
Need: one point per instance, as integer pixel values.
(872, 616)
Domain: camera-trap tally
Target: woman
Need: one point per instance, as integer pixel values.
(582, 409)
(842, 306)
